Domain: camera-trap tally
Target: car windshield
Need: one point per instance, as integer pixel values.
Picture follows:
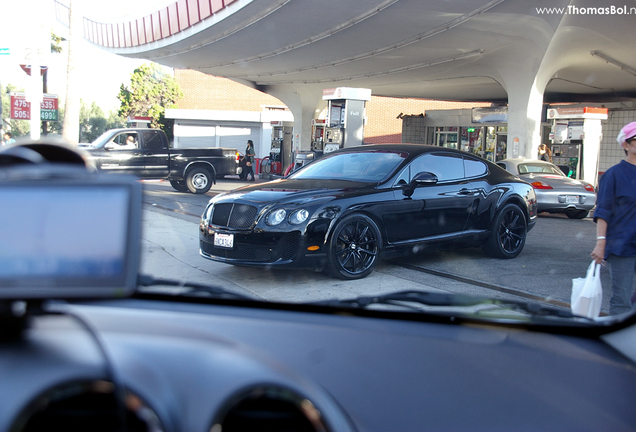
(303, 154)
(543, 168)
(102, 139)
(363, 167)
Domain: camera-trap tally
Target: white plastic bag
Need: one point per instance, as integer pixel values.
(587, 293)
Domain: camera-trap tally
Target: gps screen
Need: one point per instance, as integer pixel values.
(66, 240)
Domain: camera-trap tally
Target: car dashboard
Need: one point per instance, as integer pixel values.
(192, 365)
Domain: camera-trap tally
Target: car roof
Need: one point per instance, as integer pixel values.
(519, 161)
(412, 149)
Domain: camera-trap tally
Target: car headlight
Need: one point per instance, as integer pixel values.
(276, 217)
(299, 217)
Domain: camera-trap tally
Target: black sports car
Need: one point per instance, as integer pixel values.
(352, 207)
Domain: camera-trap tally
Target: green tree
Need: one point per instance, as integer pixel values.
(151, 91)
(114, 121)
(56, 43)
(93, 121)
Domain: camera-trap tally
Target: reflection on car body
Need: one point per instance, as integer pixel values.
(346, 210)
(556, 193)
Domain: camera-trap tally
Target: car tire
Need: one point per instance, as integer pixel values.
(353, 248)
(199, 180)
(179, 185)
(580, 214)
(508, 233)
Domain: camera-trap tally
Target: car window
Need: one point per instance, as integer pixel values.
(445, 167)
(528, 168)
(360, 166)
(153, 140)
(119, 139)
(474, 168)
(404, 177)
(125, 141)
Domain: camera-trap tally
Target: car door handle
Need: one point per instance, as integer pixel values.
(467, 191)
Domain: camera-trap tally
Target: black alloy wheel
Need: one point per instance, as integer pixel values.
(179, 185)
(354, 247)
(508, 235)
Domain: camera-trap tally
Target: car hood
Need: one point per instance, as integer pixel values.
(292, 190)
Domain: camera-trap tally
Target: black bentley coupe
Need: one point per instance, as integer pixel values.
(352, 207)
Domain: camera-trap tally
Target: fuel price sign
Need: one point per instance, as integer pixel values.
(21, 109)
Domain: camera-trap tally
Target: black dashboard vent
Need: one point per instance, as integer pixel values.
(86, 406)
(268, 409)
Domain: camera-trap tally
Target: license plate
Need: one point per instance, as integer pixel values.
(224, 240)
(572, 199)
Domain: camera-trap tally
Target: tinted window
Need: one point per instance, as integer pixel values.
(474, 168)
(153, 140)
(539, 168)
(445, 167)
(358, 166)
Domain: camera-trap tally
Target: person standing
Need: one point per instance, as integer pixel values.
(249, 159)
(615, 217)
(544, 153)
(8, 138)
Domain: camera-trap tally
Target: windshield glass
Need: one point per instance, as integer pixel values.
(102, 139)
(372, 148)
(364, 166)
(543, 168)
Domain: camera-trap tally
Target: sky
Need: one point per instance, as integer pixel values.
(102, 72)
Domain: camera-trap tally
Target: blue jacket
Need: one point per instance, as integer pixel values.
(616, 204)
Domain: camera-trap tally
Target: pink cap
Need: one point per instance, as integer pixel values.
(628, 131)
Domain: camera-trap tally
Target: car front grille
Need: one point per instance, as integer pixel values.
(232, 215)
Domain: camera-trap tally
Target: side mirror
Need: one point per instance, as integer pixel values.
(109, 146)
(420, 179)
(424, 178)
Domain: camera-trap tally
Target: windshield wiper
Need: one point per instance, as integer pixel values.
(403, 299)
(192, 288)
(408, 298)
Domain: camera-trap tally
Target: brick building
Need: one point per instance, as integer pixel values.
(207, 97)
(216, 94)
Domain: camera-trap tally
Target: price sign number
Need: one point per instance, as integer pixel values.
(21, 108)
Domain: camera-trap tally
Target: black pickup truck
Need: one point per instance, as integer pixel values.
(146, 153)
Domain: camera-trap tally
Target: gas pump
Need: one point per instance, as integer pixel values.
(334, 139)
(568, 158)
(345, 122)
(576, 140)
(281, 148)
(344, 126)
(318, 127)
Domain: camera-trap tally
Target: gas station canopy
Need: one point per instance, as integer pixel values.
(473, 50)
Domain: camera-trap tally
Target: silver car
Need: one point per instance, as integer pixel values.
(556, 193)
